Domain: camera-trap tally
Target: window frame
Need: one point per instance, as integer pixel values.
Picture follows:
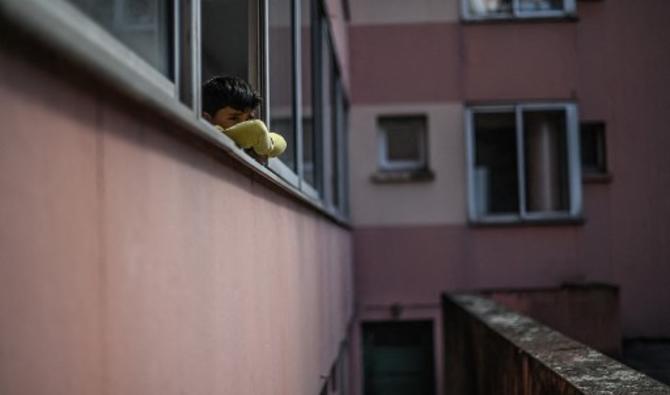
(65, 28)
(574, 212)
(387, 165)
(569, 10)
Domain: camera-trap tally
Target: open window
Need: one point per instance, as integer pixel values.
(523, 162)
(593, 151)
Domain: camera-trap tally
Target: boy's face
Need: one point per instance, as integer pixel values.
(228, 116)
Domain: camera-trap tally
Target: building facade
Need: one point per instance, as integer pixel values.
(141, 251)
(466, 168)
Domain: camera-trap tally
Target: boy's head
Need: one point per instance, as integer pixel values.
(228, 100)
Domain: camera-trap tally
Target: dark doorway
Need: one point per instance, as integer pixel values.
(398, 358)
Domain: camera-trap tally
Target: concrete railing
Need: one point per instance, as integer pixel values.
(492, 350)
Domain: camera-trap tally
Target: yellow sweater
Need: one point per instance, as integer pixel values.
(254, 134)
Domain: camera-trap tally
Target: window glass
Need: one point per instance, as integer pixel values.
(403, 137)
(403, 142)
(281, 75)
(309, 170)
(284, 126)
(541, 5)
(328, 116)
(516, 8)
(546, 162)
(489, 7)
(225, 38)
(306, 49)
(145, 26)
(495, 174)
(334, 137)
(593, 150)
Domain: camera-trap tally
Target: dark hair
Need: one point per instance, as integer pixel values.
(227, 91)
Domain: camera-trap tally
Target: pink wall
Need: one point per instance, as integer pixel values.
(614, 63)
(413, 264)
(405, 63)
(134, 262)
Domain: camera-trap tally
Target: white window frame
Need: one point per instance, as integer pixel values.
(387, 164)
(569, 10)
(574, 211)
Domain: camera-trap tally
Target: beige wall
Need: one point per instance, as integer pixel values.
(440, 201)
(135, 261)
(371, 12)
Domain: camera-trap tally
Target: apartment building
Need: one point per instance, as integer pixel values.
(433, 145)
(503, 144)
(142, 251)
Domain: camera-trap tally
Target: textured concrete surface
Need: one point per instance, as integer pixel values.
(510, 353)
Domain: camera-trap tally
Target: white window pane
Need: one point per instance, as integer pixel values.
(546, 167)
(488, 7)
(145, 26)
(281, 73)
(496, 165)
(541, 5)
(225, 38)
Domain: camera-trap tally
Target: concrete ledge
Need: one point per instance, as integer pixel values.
(492, 350)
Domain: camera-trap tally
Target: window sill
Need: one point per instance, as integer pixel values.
(402, 176)
(596, 178)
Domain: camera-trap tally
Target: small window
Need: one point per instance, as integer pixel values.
(402, 143)
(510, 9)
(524, 163)
(145, 26)
(593, 148)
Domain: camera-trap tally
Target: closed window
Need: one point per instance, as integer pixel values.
(402, 143)
(506, 9)
(523, 162)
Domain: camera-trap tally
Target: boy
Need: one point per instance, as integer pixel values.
(229, 101)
